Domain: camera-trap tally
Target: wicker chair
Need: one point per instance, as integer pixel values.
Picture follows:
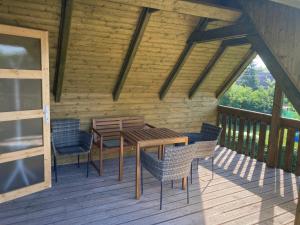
(174, 165)
(67, 139)
(207, 139)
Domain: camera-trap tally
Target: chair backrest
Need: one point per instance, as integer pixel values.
(205, 148)
(110, 127)
(210, 132)
(133, 122)
(177, 161)
(65, 132)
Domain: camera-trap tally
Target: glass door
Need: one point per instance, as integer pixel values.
(25, 158)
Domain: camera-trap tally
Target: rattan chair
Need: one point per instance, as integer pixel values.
(208, 140)
(67, 139)
(174, 165)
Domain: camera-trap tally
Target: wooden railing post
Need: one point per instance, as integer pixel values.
(273, 150)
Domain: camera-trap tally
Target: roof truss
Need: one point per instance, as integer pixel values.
(63, 40)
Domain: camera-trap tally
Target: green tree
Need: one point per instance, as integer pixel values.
(249, 77)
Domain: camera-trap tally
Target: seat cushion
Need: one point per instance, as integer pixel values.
(70, 150)
(113, 143)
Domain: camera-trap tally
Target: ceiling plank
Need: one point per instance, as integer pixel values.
(63, 40)
(180, 62)
(203, 75)
(200, 9)
(237, 71)
(224, 33)
(132, 49)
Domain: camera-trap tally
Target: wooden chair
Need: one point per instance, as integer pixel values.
(107, 136)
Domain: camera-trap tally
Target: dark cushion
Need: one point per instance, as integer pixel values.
(111, 143)
(70, 150)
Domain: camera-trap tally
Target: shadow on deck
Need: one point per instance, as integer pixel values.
(243, 191)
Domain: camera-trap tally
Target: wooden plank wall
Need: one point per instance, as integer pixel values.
(278, 25)
(100, 34)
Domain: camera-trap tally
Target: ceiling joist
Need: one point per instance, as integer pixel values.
(181, 60)
(194, 8)
(63, 40)
(237, 71)
(132, 49)
(224, 33)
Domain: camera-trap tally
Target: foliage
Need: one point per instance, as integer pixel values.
(249, 78)
(260, 100)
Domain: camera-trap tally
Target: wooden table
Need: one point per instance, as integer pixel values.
(151, 137)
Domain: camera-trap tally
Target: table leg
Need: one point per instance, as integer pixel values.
(138, 173)
(121, 158)
(184, 180)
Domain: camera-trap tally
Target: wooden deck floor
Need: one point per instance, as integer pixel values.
(243, 191)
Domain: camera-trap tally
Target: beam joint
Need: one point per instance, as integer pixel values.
(63, 40)
(132, 49)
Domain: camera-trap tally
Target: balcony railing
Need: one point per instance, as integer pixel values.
(247, 132)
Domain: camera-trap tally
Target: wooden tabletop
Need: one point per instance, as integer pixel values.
(153, 136)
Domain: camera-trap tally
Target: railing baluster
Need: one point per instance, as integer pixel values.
(253, 143)
(229, 132)
(289, 148)
(248, 124)
(261, 142)
(280, 147)
(234, 133)
(223, 135)
(241, 136)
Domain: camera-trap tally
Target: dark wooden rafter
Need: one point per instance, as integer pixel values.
(132, 49)
(181, 60)
(237, 71)
(63, 40)
(203, 75)
(236, 42)
(238, 30)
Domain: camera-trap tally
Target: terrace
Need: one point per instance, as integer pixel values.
(113, 64)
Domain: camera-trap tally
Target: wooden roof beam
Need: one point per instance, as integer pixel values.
(63, 40)
(240, 30)
(236, 42)
(132, 49)
(194, 8)
(203, 75)
(181, 60)
(237, 71)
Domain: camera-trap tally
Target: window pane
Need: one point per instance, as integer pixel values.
(20, 135)
(20, 52)
(21, 173)
(20, 94)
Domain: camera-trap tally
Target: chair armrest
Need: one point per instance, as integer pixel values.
(97, 132)
(86, 140)
(149, 125)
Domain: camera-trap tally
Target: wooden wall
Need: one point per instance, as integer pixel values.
(100, 34)
(279, 26)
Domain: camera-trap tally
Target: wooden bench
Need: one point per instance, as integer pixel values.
(107, 136)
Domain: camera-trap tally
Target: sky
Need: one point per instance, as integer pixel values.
(258, 61)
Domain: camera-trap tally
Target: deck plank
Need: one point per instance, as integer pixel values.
(243, 191)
